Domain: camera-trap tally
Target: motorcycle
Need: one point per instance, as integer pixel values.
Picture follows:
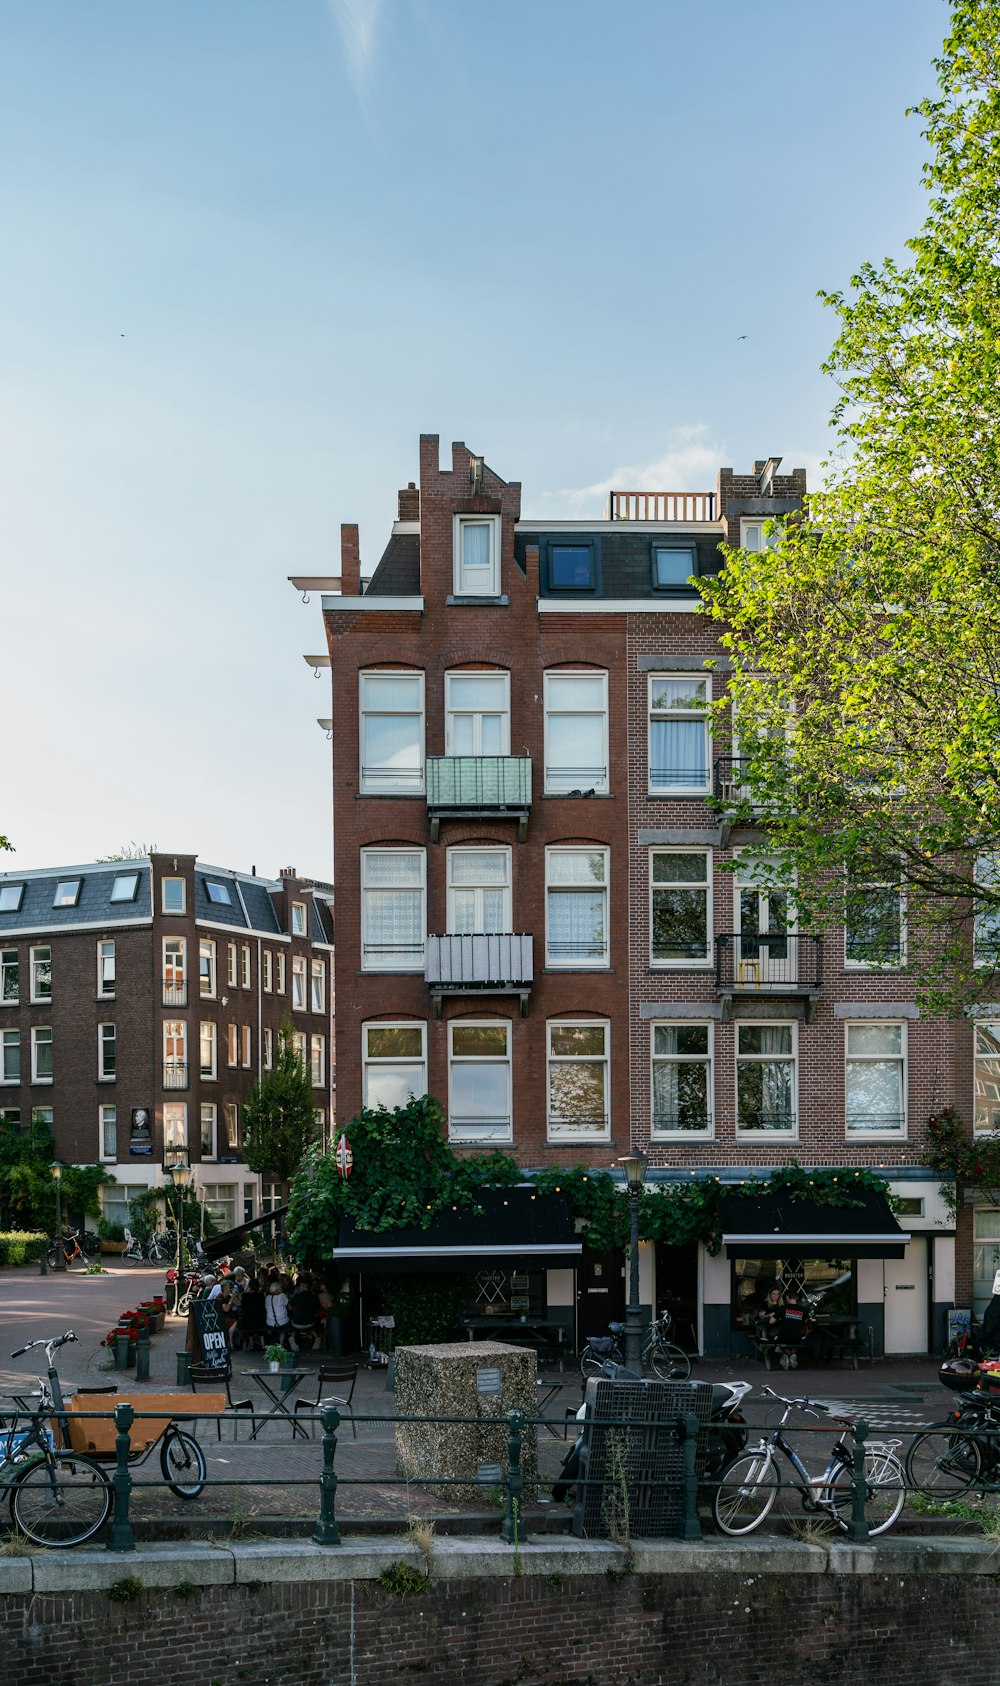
(722, 1439)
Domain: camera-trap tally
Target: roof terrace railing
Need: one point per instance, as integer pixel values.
(660, 506)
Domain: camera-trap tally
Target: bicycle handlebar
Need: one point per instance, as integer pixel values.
(799, 1404)
(52, 1345)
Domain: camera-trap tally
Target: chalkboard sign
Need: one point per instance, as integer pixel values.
(211, 1348)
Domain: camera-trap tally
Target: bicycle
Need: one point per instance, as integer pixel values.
(132, 1250)
(57, 1497)
(964, 1452)
(664, 1357)
(159, 1250)
(747, 1487)
(72, 1252)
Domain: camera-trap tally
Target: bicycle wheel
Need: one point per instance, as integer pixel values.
(183, 1464)
(51, 1257)
(184, 1305)
(943, 1464)
(746, 1490)
(61, 1499)
(671, 1363)
(885, 1492)
(592, 1363)
(133, 1256)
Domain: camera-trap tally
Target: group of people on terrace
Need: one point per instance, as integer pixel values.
(270, 1308)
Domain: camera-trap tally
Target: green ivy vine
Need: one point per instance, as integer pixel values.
(968, 1166)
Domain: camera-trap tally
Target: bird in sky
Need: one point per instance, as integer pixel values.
(741, 337)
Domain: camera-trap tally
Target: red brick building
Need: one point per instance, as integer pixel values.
(534, 920)
(140, 1001)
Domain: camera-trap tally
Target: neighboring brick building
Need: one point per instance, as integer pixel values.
(534, 923)
(140, 1000)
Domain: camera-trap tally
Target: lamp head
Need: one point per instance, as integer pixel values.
(635, 1166)
(56, 1169)
(182, 1174)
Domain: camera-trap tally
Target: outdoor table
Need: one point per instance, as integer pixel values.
(849, 1332)
(501, 1326)
(270, 1381)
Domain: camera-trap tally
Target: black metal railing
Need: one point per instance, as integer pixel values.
(688, 1119)
(175, 1074)
(685, 781)
(479, 781)
(875, 1123)
(769, 962)
(755, 1118)
(566, 1125)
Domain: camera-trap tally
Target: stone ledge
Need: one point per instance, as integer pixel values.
(83, 1569)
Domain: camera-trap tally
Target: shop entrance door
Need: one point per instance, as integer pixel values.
(600, 1292)
(906, 1299)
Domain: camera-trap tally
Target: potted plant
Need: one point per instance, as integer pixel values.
(275, 1356)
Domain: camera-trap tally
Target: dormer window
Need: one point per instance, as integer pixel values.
(218, 893)
(10, 897)
(477, 555)
(673, 565)
(571, 567)
(124, 887)
(67, 892)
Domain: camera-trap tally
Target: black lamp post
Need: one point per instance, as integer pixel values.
(179, 1172)
(634, 1166)
(57, 1171)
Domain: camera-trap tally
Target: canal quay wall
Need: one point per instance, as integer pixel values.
(381, 1612)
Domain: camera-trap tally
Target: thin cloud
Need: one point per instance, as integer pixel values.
(358, 23)
(688, 463)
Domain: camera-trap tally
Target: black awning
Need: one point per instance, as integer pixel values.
(517, 1228)
(232, 1239)
(776, 1226)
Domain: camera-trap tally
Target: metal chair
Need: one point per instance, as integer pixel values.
(211, 1379)
(338, 1374)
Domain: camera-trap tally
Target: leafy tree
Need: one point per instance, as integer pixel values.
(280, 1114)
(866, 640)
(129, 852)
(27, 1189)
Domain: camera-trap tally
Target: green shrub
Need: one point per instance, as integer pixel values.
(426, 1308)
(17, 1246)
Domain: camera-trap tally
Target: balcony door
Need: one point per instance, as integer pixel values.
(765, 949)
(479, 892)
(477, 713)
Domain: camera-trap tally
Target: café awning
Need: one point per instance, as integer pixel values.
(776, 1226)
(516, 1229)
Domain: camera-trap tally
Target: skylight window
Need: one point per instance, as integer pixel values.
(672, 566)
(218, 893)
(124, 887)
(10, 897)
(67, 892)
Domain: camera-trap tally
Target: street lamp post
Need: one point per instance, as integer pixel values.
(57, 1171)
(179, 1172)
(634, 1166)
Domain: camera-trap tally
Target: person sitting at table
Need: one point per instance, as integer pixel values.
(303, 1312)
(251, 1324)
(767, 1321)
(278, 1325)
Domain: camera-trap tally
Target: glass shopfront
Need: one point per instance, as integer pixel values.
(828, 1285)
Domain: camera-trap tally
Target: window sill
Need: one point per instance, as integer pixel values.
(10, 1082)
(463, 600)
(577, 1141)
(391, 795)
(659, 968)
(876, 1136)
(695, 1137)
(760, 1136)
(42, 1082)
(578, 795)
(570, 971)
(701, 793)
(108, 1079)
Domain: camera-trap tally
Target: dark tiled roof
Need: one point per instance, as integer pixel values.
(94, 906)
(322, 921)
(625, 559)
(220, 913)
(259, 905)
(398, 572)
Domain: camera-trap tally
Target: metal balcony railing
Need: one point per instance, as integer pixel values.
(875, 1123)
(686, 781)
(568, 1126)
(488, 1127)
(660, 506)
(392, 957)
(691, 1119)
(175, 1074)
(479, 785)
(498, 963)
(174, 994)
(755, 1118)
(768, 963)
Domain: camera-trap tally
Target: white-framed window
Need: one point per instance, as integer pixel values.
(319, 1117)
(175, 1125)
(682, 1083)
(41, 973)
(766, 1079)
(987, 1055)
(245, 965)
(267, 1047)
(246, 1048)
(220, 1203)
(11, 896)
(280, 979)
(394, 1062)
(10, 977)
(298, 919)
(317, 985)
(576, 907)
(986, 921)
(478, 891)
(477, 555)
(393, 910)
(41, 1054)
(231, 1119)
(232, 1044)
(576, 732)
(208, 1049)
(300, 1048)
(875, 1078)
(106, 968)
(317, 1061)
(174, 1054)
(107, 1117)
(753, 534)
(479, 1081)
(10, 1056)
(679, 759)
(207, 967)
(107, 1053)
(208, 1117)
(115, 1200)
(392, 733)
(477, 713)
(10, 1119)
(985, 1255)
(874, 919)
(299, 982)
(232, 964)
(218, 893)
(267, 968)
(680, 907)
(67, 892)
(270, 1197)
(175, 971)
(124, 887)
(43, 1115)
(173, 895)
(578, 1080)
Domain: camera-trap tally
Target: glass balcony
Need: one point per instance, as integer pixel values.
(483, 786)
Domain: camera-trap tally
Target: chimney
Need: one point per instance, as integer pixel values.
(291, 871)
(350, 559)
(409, 503)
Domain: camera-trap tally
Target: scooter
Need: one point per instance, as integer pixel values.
(722, 1440)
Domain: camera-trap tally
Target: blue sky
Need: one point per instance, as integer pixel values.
(252, 248)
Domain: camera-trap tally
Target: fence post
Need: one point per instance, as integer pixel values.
(690, 1528)
(512, 1529)
(326, 1531)
(121, 1537)
(183, 1369)
(142, 1359)
(857, 1528)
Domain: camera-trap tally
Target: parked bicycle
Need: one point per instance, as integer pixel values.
(69, 1244)
(964, 1450)
(663, 1356)
(747, 1487)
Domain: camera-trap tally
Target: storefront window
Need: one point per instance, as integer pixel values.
(985, 1255)
(829, 1285)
